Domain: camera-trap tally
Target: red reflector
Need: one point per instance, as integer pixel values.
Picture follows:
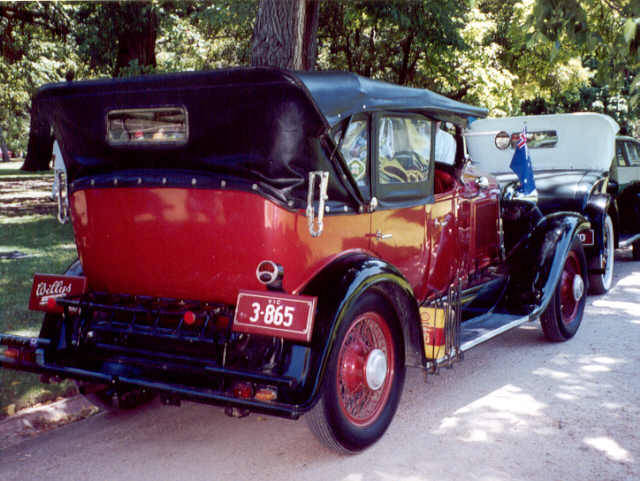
(242, 390)
(12, 353)
(189, 318)
(52, 305)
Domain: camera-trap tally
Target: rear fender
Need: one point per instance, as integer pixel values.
(338, 286)
(536, 264)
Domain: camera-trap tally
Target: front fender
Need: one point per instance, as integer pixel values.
(596, 211)
(536, 264)
(337, 287)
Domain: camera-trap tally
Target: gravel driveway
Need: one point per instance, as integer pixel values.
(517, 408)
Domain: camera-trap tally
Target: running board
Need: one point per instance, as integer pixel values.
(628, 241)
(476, 331)
(483, 328)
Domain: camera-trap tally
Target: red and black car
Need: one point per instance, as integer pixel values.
(285, 243)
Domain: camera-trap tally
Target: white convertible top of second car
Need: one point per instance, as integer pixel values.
(582, 141)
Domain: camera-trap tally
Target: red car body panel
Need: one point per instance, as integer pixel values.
(205, 244)
(199, 243)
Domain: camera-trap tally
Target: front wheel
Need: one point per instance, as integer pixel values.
(562, 318)
(601, 283)
(364, 377)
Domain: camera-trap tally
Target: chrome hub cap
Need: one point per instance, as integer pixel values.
(578, 287)
(376, 369)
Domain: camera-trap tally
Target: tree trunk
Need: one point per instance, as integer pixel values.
(140, 44)
(4, 152)
(285, 34)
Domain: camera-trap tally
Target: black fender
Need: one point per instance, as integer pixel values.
(596, 210)
(337, 287)
(536, 264)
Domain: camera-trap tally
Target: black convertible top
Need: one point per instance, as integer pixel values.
(263, 125)
(341, 94)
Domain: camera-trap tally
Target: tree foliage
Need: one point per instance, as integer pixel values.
(512, 56)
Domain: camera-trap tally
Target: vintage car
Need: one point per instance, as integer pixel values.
(284, 243)
(624, 187)
(571, 155)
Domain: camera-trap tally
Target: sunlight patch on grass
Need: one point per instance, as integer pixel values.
(29, 332)
(25, 219)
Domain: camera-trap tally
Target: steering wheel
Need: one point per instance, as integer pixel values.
(410, 160)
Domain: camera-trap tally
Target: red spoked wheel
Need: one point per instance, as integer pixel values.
(366, 363)
(363, 379)
(562, 318)
(571, 288)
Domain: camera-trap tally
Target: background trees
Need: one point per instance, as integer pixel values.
(512, 56)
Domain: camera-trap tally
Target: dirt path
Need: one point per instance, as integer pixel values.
(517, 408)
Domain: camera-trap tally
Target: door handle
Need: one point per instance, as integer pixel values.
(380, 236)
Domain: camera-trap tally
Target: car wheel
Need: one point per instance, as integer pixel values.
(601, 283)
(562, 318)
(636, 250)
(363, 379)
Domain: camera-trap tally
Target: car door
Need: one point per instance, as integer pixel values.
(402, 181)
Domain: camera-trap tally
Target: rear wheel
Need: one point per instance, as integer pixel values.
(562, 318)
(363, 379)
(601, 283)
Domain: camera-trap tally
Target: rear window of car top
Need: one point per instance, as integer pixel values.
(537, 139)
(164, 125)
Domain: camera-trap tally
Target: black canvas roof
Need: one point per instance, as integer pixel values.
(341, 94)
(261, 124)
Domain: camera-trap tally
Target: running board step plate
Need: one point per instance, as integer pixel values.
(482, 328)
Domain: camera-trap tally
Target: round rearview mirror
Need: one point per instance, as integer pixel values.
(502, 140)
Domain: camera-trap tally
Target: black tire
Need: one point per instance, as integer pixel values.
(108, 400)
(562, 318)
(636, 250)
(601, 283)
(369, 336)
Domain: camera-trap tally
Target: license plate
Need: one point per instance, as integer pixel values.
(48, 286)
(586, 236)
(275, 314)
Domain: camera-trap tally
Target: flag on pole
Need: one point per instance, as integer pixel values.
(521, 164)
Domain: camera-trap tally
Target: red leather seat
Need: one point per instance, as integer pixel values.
(442, 182)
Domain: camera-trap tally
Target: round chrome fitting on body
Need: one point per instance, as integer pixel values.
(269, 273)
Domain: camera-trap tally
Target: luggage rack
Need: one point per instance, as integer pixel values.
(183, 321)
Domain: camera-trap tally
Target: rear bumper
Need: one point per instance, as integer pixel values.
(31, 356)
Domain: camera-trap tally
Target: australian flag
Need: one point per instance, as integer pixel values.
(521, 164)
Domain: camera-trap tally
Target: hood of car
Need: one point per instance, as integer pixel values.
(561, 189)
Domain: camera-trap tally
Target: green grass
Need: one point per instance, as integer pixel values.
(27, 225)
(12, 169)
